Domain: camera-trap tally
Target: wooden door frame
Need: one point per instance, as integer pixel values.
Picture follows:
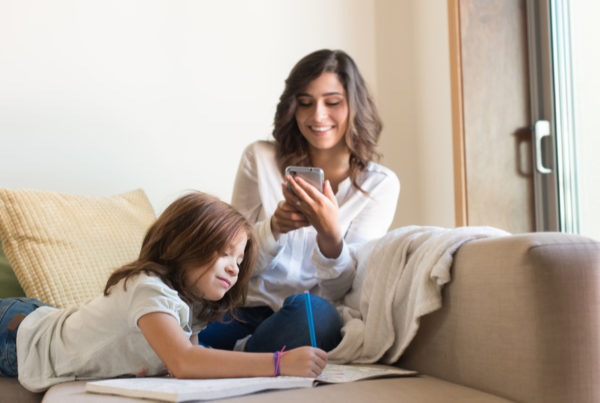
(458, 131)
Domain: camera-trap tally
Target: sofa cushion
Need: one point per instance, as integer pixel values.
(407, 389)
(63, 247)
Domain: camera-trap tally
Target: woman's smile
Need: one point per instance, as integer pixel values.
(321, 130)
(322, 112)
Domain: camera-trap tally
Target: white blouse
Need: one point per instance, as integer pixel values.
(294, 263)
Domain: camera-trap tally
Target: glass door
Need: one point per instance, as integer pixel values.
(564, 96)
(542, 116)
(584, 33)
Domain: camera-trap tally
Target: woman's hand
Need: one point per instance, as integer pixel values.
(303, 361)
(286, 218)
(320, 210)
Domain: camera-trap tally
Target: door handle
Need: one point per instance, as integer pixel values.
(541, 130)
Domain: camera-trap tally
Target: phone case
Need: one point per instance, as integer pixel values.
(312, 175)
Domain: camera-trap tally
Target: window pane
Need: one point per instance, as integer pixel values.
(585, 30)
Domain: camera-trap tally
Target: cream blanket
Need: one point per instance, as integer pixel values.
(399, 278)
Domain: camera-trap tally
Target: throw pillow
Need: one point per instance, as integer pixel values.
(63, 247)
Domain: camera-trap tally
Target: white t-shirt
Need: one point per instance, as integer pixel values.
(294, 263)
(100, 339)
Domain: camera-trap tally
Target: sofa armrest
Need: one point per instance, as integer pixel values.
(520, 319)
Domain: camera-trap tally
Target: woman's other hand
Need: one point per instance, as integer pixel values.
(321, 210)
(286, 218)
(303, 361)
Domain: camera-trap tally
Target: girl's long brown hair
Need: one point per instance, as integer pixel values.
(364, 123)
(194, 230)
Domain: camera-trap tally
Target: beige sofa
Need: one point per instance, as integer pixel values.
(520, 322)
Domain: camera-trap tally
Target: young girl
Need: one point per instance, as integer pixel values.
(193, 267)
(325, 118)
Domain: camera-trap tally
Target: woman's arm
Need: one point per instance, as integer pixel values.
(257, 170)
(246, 197)
(186, 360)
(377, 213)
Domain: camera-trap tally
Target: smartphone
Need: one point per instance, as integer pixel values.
(312, 175)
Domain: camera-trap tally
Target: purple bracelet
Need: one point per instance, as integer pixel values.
(276, 360)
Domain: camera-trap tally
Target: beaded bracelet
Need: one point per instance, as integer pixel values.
(276, 360)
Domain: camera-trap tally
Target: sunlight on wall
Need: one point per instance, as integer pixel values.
(414, 100)
(100, 97)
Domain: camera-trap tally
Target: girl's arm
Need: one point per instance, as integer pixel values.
(186, 360)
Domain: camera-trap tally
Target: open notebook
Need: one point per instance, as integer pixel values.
(180, 390)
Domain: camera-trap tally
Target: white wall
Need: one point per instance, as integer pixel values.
(414, 98)
(100, 97)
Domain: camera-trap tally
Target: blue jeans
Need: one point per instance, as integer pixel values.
(272, 330)
(12, 311)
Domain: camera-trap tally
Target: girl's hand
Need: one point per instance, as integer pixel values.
(303, 361)
(320, 209)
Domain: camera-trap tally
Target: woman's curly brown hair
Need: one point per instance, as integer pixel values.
(364, 123)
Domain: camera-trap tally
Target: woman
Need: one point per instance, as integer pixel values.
(325, 118)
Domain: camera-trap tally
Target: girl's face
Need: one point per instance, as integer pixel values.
(322, 112)
(214, 281)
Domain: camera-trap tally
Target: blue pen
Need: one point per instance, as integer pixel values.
(309, 316)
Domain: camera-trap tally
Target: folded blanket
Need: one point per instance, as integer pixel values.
(398, 280)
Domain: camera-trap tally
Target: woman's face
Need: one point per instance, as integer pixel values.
(322, 112)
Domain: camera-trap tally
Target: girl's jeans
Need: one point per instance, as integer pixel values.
(12, 312)
(270, 331)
